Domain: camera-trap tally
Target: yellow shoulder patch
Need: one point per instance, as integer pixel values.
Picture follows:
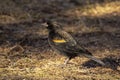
(59, 40)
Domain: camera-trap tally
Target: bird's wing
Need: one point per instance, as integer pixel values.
(68, 44)
(66, 38)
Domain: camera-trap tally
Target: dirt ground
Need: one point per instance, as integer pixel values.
(26, 55)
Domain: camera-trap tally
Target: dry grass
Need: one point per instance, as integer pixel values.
(30, 68)
(96, 10)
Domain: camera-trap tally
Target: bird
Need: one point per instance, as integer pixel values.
(63, 43)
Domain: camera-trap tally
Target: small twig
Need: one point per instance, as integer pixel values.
(14, 47)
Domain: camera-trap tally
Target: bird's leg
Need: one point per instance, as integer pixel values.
(66, 61)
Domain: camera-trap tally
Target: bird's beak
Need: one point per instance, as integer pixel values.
(44, 24)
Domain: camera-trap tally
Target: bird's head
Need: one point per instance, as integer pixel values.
(52, 25)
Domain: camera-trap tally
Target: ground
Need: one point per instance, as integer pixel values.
(26, 55)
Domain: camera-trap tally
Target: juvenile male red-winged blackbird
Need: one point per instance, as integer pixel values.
(65, 44)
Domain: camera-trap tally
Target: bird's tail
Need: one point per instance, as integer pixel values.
(95, 59)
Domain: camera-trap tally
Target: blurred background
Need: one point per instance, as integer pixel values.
(24, 49)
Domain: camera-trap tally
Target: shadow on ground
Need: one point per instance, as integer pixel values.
(111, 61)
